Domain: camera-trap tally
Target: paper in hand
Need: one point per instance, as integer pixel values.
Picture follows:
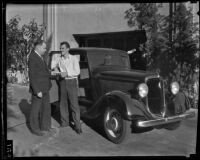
(55, 73)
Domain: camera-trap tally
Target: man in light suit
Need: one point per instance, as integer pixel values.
(40, 84)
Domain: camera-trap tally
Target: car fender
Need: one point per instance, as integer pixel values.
(127, 106)
(177, 104)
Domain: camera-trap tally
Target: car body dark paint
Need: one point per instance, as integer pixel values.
(116, 82)
(126, 106)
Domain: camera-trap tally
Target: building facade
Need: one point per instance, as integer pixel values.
(64, 21)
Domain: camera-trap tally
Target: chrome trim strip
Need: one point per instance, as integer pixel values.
(156, 122)
(164, 100)
(150, 77)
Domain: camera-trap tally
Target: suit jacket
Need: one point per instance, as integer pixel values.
(39, 74)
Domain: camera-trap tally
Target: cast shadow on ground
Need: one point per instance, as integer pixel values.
(10, 114)
(55, 113)
(94, 124)
(25, 108)
(97, 126)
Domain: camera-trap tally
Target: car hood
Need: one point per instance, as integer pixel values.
(128, 75)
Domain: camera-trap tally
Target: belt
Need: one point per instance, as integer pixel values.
(67, 78)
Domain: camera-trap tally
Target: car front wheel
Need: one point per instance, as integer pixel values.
(115, 127)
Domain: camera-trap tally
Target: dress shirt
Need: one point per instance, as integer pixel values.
(55, 59)
(69, 64)
(39, 55)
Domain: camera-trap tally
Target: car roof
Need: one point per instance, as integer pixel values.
(130, 73)
(92, 49)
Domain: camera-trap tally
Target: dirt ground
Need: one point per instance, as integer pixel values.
(65, 142)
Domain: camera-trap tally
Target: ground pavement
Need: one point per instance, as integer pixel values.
(65, 142)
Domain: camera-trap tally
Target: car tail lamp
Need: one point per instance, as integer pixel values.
(143, 90)
(174, 88)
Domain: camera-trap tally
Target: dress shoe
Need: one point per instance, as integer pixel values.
(78, 130)
(44, 133)
(51, 130)
(38, 133)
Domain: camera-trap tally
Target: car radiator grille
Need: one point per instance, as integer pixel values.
(155, 97)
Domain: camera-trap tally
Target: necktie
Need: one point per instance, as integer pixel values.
(42, 59)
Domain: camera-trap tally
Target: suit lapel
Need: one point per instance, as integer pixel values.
(41, 59)
(43, 62)
(46, 67)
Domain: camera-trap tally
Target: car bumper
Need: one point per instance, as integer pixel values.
(157, 122)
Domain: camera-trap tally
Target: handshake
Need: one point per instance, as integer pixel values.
(57, 73)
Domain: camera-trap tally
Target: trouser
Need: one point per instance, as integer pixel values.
(40, 115)
(69, 93)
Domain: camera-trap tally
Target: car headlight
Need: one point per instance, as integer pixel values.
(174, 88)
(143, 90)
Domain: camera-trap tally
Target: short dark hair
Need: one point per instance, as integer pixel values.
(39, 42)
(65, 43)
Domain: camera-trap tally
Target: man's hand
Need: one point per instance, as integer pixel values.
(64, 74)
(54, 73)
(39, 94)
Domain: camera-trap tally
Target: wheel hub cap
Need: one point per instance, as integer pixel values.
(112, 125)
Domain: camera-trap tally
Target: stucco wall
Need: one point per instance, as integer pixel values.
(89, 18)
(81, 18)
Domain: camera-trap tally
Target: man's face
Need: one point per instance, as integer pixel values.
(64, 50)
(42, 48)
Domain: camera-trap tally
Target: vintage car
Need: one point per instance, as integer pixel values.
(122, 99)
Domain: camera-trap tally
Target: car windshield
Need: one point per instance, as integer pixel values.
(105, 59)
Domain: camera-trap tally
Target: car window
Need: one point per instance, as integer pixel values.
(95, 59)
(103, 59)
(125, 61)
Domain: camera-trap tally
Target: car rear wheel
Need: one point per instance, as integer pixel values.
(172, 126)
(115, 127)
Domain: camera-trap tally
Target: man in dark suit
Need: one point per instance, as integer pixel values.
(40, 84)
